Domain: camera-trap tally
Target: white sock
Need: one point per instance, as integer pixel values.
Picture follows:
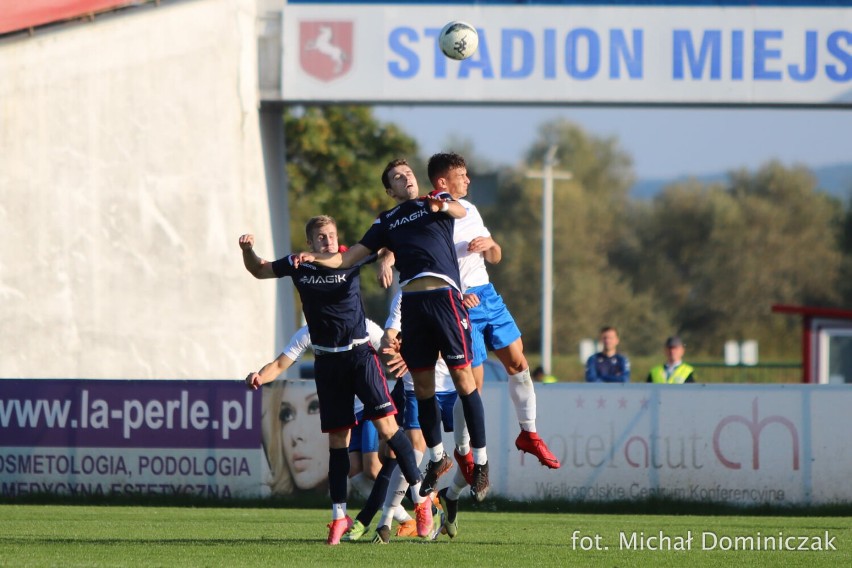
(396, 491)
(338, 511)
(400, 515)
(480, 456)
(436, 453)
(457, 486)
(522, 392)
(415, 489)
(362, 484)
(460, 431)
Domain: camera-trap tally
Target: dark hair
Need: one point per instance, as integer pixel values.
(443, 162)
(609, 328)
(391, 165)
(318, 222)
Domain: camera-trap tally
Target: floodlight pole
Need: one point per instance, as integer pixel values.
(547, 175)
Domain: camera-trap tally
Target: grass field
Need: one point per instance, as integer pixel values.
(54, 535)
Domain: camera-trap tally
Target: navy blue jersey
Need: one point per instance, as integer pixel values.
(331, 301)
(603, 369)
(421, 241)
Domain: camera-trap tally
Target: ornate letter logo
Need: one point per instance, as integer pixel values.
(755, 427)
(325, 49)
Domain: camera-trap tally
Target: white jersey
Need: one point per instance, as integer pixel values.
(471, 264)
(301, 342)
(443, 380)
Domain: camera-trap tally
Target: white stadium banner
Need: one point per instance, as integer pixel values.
(570, 54)
(736, 444)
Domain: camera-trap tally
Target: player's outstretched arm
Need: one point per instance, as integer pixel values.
(452, 208)
(258, 267)
(352, 256)
(268, 372)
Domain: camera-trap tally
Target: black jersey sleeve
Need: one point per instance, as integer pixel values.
(283, 267)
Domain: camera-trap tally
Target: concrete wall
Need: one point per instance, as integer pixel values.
(130, 163)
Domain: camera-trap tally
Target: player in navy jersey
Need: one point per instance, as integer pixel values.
(419, 231)
(493, 327)
(346, 363)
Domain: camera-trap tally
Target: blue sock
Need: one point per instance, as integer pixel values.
(338, 471)
(474, 415)
(429, 415)
(401, 446)
(377, 495)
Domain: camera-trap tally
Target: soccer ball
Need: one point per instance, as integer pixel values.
(458, 40)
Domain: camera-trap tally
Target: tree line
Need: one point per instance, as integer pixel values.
(706, 261)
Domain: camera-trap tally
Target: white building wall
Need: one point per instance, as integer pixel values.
(130, 163)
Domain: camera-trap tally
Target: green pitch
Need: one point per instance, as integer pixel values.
(49, 535)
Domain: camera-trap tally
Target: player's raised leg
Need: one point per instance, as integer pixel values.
(522, 393)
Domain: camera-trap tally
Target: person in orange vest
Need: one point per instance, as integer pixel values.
(674, 371)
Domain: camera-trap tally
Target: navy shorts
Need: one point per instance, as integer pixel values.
(340, 376)
(446, 400)
(435, 322)
(365, 437)
(493, 326)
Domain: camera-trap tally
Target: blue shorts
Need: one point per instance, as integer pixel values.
(433, 322)
(493, 325)
(340, 376)
(446, 400)
(365, 437)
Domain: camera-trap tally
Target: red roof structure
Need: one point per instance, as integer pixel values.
(16, 16)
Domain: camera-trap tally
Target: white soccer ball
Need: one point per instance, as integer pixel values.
(458, 40)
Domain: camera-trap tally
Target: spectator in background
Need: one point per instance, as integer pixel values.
(674, 371)
(608, 366)
(539, 376)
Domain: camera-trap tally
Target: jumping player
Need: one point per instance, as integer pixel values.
(419, 231)
(346, 363)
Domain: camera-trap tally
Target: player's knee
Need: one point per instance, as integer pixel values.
(386, 427)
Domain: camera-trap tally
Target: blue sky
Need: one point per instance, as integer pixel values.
(664, 142)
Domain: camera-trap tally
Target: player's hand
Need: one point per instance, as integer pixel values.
(301, 258)
(480, 244)
(390, 351)
(246, 241)
(435, 205)
(470, 300)
(384, 270)
(253, 381)
(396, 365)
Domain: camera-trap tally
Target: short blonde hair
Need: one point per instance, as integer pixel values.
(318, 222)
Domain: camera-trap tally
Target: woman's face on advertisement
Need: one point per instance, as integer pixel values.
(304, 445)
